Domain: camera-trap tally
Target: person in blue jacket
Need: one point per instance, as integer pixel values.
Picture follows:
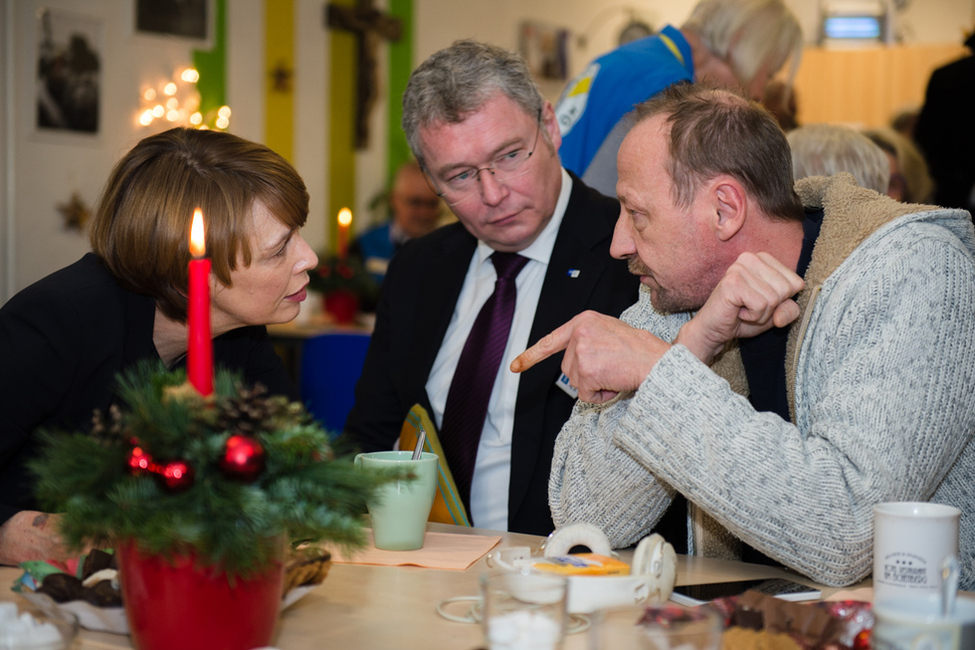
(732, 43)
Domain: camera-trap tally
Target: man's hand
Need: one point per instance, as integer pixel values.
(754, 295)
(31, 535)
(603, 356)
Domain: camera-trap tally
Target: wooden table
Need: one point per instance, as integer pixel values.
(365, 607)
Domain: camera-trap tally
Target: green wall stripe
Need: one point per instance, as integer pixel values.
(400, 66)
(212, 66)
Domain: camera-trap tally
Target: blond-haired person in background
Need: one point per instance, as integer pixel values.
(825, 149)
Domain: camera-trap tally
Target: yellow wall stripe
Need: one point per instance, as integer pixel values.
(341, 118)
(279, 18)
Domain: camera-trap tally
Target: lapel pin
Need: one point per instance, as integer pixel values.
(573, 273)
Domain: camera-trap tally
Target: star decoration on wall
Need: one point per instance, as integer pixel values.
(281, 77)
(75, 212)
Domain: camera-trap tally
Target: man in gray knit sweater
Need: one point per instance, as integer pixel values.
(784, 370)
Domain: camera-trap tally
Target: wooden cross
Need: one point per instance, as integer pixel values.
(369, 25)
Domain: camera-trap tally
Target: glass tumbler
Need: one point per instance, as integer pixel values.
(524, 610)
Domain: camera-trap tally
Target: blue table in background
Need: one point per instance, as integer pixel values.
(325, 361)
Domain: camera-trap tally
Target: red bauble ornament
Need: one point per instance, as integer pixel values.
(177, 475)
(243, 459)
(139, 460)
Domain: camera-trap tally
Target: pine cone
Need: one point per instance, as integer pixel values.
(251, 411)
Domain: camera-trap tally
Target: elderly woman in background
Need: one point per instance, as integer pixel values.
(64, 338)
(910, 181)
(824, 149)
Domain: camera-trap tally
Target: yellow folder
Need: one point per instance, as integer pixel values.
(447, 506)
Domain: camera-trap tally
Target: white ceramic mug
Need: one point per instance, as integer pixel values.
(911, 623)
(910, 541)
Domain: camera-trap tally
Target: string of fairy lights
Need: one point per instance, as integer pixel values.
(178, 101)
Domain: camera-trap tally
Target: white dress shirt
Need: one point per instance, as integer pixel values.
(492, 470)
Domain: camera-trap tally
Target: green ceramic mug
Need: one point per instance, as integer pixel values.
(399, 513)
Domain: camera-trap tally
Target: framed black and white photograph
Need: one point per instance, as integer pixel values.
(186, 19)
(69, 72)
(545, 48)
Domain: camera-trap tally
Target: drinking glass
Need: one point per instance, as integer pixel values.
(524, 610)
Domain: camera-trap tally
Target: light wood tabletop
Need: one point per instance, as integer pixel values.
(367, 607)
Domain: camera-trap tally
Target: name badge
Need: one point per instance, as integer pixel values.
(563, 383)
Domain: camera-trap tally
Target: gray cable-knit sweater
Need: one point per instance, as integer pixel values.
(882, 393)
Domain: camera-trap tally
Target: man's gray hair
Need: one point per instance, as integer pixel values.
(824, 149)
(748, 33)
(457, 80)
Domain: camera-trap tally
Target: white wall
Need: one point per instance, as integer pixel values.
(311, 115)
(40, 170)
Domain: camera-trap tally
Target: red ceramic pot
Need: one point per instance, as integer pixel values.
(342, 305)
(180, 604)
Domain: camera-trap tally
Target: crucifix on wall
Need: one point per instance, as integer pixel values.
(369, 25)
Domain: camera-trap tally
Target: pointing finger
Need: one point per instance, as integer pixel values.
(550, 344)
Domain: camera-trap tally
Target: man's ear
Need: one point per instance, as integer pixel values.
(551, 125)
(729, 207)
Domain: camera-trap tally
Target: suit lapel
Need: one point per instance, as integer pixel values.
(441, 281)
(574, 269)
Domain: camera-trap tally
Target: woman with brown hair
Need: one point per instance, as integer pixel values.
(64, 338)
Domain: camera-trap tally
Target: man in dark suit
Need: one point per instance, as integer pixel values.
(488, 143)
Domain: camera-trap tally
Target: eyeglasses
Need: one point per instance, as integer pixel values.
(463, 184)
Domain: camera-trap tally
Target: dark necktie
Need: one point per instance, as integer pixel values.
(470, 389)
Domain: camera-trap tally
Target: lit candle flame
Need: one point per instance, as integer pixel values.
(197, 235)
(345, 217)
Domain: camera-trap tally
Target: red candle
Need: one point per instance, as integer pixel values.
(199, 353)
(345, 222)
